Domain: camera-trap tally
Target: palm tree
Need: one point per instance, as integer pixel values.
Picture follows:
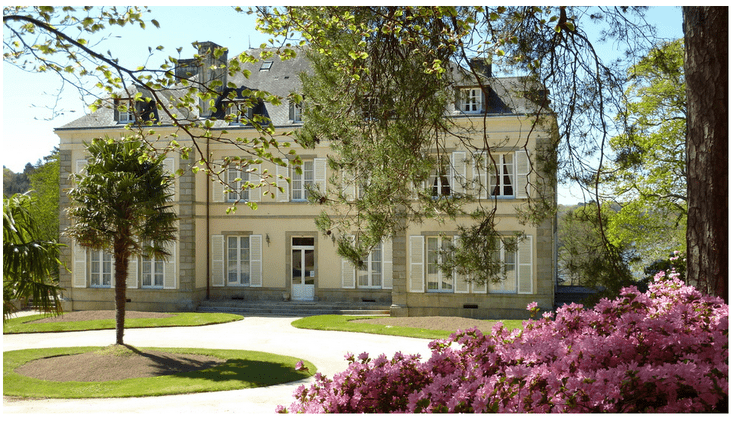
(121, 203)
(29, 263)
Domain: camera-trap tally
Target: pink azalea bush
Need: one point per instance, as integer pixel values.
(665, 350)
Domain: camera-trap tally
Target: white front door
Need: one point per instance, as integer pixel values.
(302, 268)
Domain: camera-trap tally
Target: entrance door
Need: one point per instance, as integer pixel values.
(302, 268)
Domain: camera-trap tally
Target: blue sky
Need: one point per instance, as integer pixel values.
(28, 133)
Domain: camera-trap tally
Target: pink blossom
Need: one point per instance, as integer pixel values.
(665, 350)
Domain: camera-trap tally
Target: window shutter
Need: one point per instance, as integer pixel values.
(523, 167)
(256, 260)
(132, 281)
(254, 195)
(347, 270)
(218, 261)
(282, 183)
(170, 268)
(457, 173)
(320, 174)
(525, 270)
(79, 270)
(461, 284)
(349, 188)
(170, 168)
(388, 263)
(114, 275)
(479, 175)
(218, 190)
(416, 263)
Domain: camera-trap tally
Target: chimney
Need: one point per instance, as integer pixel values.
(212, 68)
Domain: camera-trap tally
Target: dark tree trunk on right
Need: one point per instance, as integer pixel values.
(706, 76)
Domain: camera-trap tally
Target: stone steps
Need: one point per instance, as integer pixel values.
(293, 308)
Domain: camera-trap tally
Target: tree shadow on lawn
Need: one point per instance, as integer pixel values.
(207, 370)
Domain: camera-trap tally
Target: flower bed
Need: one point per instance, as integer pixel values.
(665, 350)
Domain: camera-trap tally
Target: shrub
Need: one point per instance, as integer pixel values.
(665, 350)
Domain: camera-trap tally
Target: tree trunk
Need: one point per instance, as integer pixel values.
(706, 77)
(121, 276)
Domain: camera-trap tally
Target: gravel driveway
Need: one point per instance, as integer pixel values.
(324, 349)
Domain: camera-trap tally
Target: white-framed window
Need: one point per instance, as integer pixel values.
(152, 272)
(441, 179)
(471, 100)
(300, 182)
(295, 112)
(425, 257)
(238, 260)
(437, 281)
(376, 271)
(239, 111)
(293, 185)
(101, 269)
(266, 65)
(508, 283)
(370, 275)
(236, 177)
(124, 111)
(500, 175)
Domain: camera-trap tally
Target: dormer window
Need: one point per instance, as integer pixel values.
(124, 111)
(238, 111)
(295, 112)
(127, 110)
(470, 100)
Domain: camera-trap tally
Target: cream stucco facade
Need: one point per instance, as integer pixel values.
(276, 253)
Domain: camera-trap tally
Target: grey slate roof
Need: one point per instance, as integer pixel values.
(282, 79)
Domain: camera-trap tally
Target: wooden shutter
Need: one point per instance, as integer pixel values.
(218, 261)
(461, 284)
(256, 260)
(170, 268)
(525, 271)
(320, 174)
(480, 171)
(132, 281)
(388, 263)
(347, 270)
(416, 263)
(523, 167)
(79, 269)
(349, 188)
(170, 168)
(282, 183)
(218, 190)
(254, 195)
(457, 173)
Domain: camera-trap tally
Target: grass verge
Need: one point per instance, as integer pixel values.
(242, 370)
(344, 324)
(21, 325)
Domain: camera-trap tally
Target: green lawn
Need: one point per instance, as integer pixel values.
(242, 370)
(21, 325)
(342, 323)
